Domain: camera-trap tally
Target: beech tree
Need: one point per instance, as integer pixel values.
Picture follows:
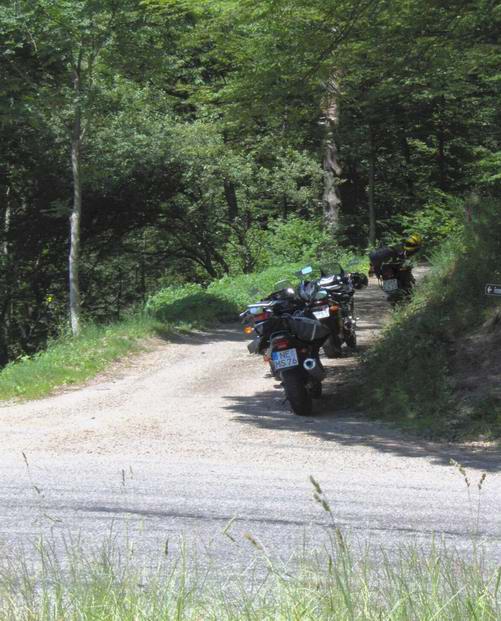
(68, 38)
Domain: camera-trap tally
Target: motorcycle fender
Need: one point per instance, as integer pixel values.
(253, 346)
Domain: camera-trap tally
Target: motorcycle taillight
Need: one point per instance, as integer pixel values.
(387, 272)
(281, 344)
(262, 316)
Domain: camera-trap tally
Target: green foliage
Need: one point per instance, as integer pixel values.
(204, 132)
(296, 239)
(408, 375)
(441, 219)
(224, 299)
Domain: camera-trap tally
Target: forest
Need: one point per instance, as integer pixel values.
(163, 142)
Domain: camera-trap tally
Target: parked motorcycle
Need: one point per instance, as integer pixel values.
(393, 268)
(396, 280)
(337, 310)
(290, 342)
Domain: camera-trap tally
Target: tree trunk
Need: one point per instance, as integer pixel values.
(74, 258)
(231, 199)
(372, 210)
(6, 293)
(441, 163)
(332, 170)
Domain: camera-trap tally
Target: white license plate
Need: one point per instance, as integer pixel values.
(321, 313)
(390, 285)
(284, 359)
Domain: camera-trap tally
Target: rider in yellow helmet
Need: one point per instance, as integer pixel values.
(412, 244)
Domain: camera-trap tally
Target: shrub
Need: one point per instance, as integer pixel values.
(439, 220)
(407, 375)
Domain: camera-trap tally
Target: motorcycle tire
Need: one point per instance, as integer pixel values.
(332, 347)
(351, 340)
(296, 392)
(315, 390)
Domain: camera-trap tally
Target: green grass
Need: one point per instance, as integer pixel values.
(408, 377)
(224, 299)
(68, 361)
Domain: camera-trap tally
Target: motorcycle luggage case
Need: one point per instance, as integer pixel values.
(308, 329)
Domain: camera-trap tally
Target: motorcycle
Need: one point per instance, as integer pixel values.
(393, 269)
(290, 341)
(337, 310)
(397, 281)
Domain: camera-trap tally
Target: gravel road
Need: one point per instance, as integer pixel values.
(176, 442)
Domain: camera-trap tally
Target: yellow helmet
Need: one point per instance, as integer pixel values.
(413, 242)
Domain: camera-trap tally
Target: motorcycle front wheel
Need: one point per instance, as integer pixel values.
(297, 394)
(351, 340)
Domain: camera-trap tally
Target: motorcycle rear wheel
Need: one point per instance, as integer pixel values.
(315, 390)
(296, 392)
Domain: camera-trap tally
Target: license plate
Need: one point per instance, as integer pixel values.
(321, 313)
(390, 285)
(284, 359)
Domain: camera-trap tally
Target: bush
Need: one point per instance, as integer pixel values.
(296, 239)
(439, 220)
(225, 298)
(408, 375)
(291, 240)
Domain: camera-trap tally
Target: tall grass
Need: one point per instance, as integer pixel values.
(434, 586)
(338, 582)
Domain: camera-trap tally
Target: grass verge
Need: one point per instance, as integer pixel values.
(69, 360)
(415, 374)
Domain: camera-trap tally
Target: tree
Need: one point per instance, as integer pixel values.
(69, 38)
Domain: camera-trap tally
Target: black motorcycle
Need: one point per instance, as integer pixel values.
(291, 342)
(337, 309)
(397, 281)
(394, 273)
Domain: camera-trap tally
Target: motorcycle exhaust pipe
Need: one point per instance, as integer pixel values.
(314, 369)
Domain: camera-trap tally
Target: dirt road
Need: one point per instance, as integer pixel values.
(181, 439)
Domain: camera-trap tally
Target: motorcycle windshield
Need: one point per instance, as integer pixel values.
(283, 286)
(332, 269)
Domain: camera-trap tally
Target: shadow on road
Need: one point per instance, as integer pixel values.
(336, 425)
(226, 332)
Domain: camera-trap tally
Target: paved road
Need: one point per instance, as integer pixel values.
(192, 434)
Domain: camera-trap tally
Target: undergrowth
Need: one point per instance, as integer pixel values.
(407, 376)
